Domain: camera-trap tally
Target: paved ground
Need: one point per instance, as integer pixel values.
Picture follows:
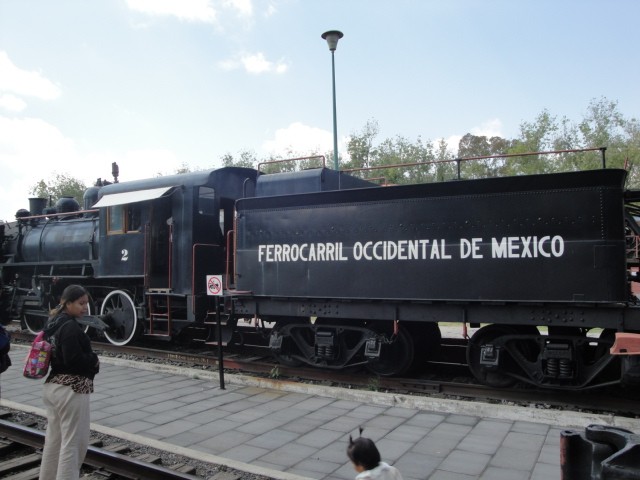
(296, 430)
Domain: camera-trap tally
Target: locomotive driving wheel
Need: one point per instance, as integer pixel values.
(35, 323)
(124, 319)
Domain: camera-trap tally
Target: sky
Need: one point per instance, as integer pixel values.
(156, 85)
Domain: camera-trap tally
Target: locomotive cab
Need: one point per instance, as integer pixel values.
(161, 237)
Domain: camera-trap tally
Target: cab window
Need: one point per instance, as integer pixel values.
(206, 201)
(115, 223)
(123, 219)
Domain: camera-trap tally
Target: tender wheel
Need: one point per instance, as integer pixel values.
(119, 305)
(395, 357)
(429, 337)
(284, 354)
(494, 377)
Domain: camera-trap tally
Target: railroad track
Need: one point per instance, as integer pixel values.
(21, 446)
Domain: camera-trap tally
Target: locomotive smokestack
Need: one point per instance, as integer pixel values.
(36, 205)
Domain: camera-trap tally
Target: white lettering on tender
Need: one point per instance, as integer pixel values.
(434, 249)
(527, 247)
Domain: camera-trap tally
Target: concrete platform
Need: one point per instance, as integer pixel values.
(291, 430)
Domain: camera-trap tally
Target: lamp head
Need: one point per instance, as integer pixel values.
(332, 37)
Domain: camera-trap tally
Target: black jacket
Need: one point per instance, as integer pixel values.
(72, 351)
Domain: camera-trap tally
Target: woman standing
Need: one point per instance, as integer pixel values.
(66, 390)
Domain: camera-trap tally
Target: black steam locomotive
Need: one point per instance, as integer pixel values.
(350, 273)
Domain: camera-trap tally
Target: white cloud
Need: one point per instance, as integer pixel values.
(258, 64)
(254, 63)
(229, 64)
(25, 83)
(452, 143)
(271, 10)
(188, 10)
(490, 128)
(243, 7)
(12, 103)
(301, 140)
(32, 149)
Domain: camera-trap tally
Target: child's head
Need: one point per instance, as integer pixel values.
(363, 453)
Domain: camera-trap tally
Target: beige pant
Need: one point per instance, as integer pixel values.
(67, 437)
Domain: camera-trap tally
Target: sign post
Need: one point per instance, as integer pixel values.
(214, 287)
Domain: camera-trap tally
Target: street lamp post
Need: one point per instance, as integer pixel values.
(332, 37)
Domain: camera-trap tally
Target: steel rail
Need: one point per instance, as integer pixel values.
(116, 463)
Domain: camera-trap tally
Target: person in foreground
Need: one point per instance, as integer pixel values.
(66, 390)
(365, 457)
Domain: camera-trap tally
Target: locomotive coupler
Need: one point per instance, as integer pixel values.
(627, 346)
(602, 452)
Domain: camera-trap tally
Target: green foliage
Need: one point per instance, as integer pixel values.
(373, 384)
(473, 146)
(360, 147)
(246, 158)
(280, 164)
(287, 163)
(399, 160)
(60, 185)
(603, 126)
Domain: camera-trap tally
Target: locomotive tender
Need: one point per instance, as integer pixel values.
(351, 273)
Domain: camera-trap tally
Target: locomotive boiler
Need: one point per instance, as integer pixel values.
(349, 273)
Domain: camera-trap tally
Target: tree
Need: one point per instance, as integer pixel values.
(360, 146)
(632, 151)
(246, 158)
(603, 126)
(60, 186)
(471, 146)
(536, 136)
(183, 168)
